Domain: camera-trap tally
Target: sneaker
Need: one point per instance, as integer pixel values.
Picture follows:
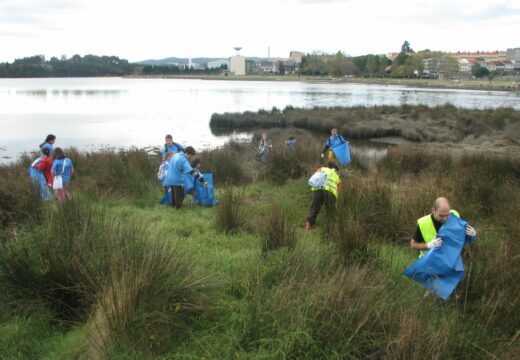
(308, 226)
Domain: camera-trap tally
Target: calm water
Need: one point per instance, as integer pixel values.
(96, 112)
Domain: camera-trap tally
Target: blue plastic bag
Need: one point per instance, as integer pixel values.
(38, 180)
(167, 198)
(342, 153)
(205, 196)
(441, 269)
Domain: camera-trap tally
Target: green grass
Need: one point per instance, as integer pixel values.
(151, 282)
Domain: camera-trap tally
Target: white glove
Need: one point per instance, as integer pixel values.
(322, 156)
(470, 231)
(435, 243)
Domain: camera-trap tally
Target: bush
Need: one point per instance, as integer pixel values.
(84, 261)
(225, 164)
(278, 231)
(20, 203)
(229, 217)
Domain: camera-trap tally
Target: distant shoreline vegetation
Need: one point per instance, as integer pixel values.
(420, 123)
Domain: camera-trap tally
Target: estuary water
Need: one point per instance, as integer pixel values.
(92, 113)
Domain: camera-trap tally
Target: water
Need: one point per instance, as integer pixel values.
(90, 113)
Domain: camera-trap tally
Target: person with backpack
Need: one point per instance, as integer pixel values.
(175, 179)
(48, 144)
(325, 185)
(62, 170)
(171, 147)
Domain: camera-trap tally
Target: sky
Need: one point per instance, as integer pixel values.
(156, 29)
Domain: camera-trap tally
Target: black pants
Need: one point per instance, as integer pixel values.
(320, 197)
(177, 196)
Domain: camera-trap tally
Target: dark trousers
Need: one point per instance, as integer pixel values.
(177, 196)
(320, 197)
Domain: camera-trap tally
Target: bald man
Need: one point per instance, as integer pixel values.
(425, 236)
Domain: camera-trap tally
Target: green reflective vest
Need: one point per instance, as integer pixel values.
(427, 228)
(331, 184)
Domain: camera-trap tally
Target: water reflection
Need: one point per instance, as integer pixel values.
(126, 112)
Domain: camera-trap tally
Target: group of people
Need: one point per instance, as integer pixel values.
(51, 171)
(179, 171)
(326, 184)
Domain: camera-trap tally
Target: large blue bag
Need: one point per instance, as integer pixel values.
(441, 269)
(205, 196)
(37, 178)
(342, 153)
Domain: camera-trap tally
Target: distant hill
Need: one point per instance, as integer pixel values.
(184, 61)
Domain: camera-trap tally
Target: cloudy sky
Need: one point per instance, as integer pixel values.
(138, 30)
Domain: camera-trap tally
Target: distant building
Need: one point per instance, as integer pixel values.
(296, 56)
(466, 64)
(514, 56)
(495, 65)
(431, 66)
(217, 63)
(497, 55)
(237, 65)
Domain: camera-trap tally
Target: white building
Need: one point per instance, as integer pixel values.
(237, 65)
(218, 63)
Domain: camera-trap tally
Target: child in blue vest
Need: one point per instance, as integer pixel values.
(170, 146)
(62, 170)
(163, 170)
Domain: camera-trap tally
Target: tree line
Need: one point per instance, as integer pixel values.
(90, 65)
(80, 66)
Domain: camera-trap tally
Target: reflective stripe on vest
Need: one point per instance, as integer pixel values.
(332, 182)
(427, 228)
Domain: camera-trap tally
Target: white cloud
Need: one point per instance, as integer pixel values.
(161, 28)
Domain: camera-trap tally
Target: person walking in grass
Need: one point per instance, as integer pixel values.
(171, 147)
(48, 144)
(62, 170)
(324, 191)
(264, 148)
(425, 236)
(334, 140)
(179, 167)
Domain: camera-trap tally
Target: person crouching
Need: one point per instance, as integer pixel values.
(180, 166)
(327, 194)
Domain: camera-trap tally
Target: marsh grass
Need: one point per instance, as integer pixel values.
(19, 200)
(278, 230)
(229, 213)
(420, 123)
(138, 286)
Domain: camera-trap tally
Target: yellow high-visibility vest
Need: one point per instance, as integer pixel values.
(427, 228)
(331, 184)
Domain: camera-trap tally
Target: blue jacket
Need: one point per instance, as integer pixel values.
(58, 169)
(174, 148)
(179, 166)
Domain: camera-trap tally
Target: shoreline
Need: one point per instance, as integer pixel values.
(497, 85)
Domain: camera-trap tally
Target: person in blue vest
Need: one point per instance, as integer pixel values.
(48, 144)
(334, 140)
(179, 167)
(425, 236)
(170, 146)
